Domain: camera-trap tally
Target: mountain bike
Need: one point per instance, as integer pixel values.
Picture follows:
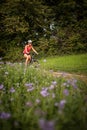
(34, 61)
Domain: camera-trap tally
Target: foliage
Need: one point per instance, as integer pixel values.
(42, 19)
(33, 99)
(14, 54)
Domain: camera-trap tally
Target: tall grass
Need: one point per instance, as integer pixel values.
(71, 63)
(32, 99)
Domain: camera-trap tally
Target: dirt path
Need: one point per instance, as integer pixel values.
(69, 76)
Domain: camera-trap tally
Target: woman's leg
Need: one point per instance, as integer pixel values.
(28, 58)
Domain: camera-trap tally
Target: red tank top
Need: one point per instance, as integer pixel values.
(28, 49)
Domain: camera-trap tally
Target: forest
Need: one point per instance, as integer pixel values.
(56, 27)
(50, 91)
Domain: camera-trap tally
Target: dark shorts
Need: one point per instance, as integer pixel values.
(26, 53)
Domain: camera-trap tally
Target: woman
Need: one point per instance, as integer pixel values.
(27, 50)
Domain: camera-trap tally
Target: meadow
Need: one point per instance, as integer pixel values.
(71, 63)
(33, 99)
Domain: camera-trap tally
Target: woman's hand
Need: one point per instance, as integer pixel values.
(37, 53)
(27, 52)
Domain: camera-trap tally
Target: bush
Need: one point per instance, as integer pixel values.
(14, 54)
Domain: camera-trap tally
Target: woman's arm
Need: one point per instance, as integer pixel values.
(34, 50)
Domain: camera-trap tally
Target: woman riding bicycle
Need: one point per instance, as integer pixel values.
(27, 50)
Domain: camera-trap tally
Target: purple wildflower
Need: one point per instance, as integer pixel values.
(73, 83)
(29, 85)
(75, 86)
(1, 86)
(46, 125)
(74, 80)
(5, 115)
(66, 92)
(44, 93)
(30, 89)
(62, 104)
(12, 90)
(44, 89)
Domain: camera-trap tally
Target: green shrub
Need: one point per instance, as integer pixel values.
(14, 54)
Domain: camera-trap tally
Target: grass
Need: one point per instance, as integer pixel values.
(71, 63)
(32, 99)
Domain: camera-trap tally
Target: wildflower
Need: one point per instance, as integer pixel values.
(29, 104)
(18, 84)
(44, 93)
(51, 87)
(12, 90)
(0, 58)
(11, 99)
(30, 89)
(56, 104)
(1, 86)
(65, 84)
(5, 115)
(29, 84)
(54, 83)
(62, 104)
(66, 92)
(6, 73)
(45, 89)
(73, 83)
(20, 63)
(74, 80)
(37, 101)
(69, 81)
(44, 60)
(53, 95)
(46, 125)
